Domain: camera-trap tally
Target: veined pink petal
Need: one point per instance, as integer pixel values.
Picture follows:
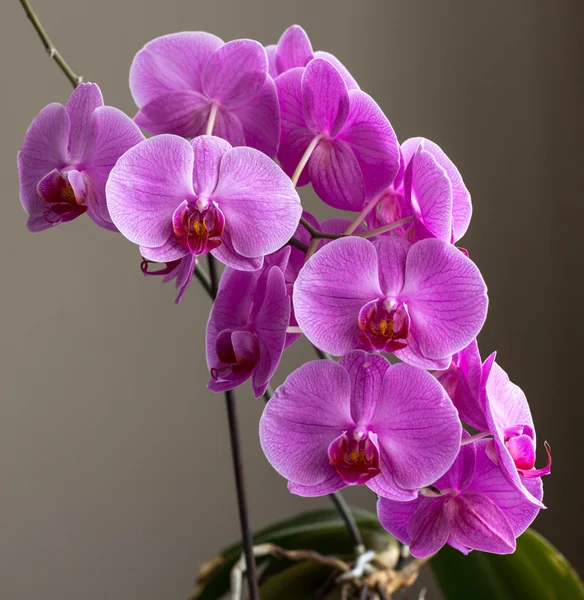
(366, 372)
(270, 325)
(293, 49)
(83, 101)
(429, 191)
(462, 471)
(325, 98)
(373, 141)
(428, 528)
(44, 149)
(208, 152)
(271, 53)
(112, 134)
(392, 253)
(477, 522)
(171, 63)
(384, 484)
(446, 298)
(505, 405)
(96, 202)
(183, 113)
(169, 251)
(305, 415)
(506, 401)
(333, 483)
(347, 77)
(331, 289)
(147, 184)
(235, 73)
(417, 425)
(490, 481)
(228, 256)
(225, 315)
(262, 209)
(295, 135)
(395, 516)
(229, 127)
(336, 176)
(412, 355)
(461, 203)
(260, 120)
(462, 383)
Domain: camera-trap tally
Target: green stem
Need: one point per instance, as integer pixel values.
(49, 47)
(236, 455)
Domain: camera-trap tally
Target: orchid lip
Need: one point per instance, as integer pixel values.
(198, 226)
(355, 457)
(384, 325)
(237, 357)
(63, 204)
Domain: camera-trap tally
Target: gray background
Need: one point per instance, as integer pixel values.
(116, 475)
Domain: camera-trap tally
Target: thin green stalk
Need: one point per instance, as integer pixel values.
(49, 47)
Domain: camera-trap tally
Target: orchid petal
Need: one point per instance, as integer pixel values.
(293, 49)
(373, 142)
(183, 113)
(44, 149)
(417, 426)
(147, 184)
(305, 414)
(461, 473)
(260, 120)
(338, 65)
(428, 528)
(295, 136)
(83, 101)
(392, 253)
(171, 63)
(332, 484)
(112, 134)
(395, 516)
(331, 289)
(261, 206)
(325, 98)
(225, 315)
(366, 372)
(477, 522)
(270, 325)
(461, 203)
(335, 174)
(430, 193)
(490, 481)
(384, 484)
(228, 256)
(446, 298)
(505, 405)
(167, 252)
(208, 152)
(235, 73)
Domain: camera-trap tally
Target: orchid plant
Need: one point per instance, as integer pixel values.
(445, 441)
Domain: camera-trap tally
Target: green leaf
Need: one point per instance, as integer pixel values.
(298, 581)
(322, 531)
(536, 571)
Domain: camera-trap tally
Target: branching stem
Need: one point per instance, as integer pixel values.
(51, 50)
(247, 541)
